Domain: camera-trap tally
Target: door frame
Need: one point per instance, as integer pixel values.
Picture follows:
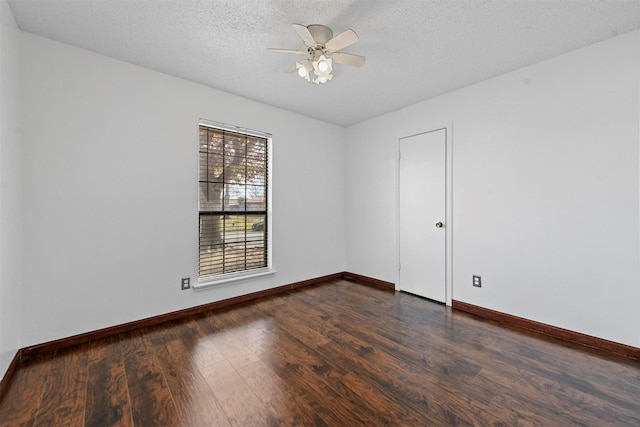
(448, 128)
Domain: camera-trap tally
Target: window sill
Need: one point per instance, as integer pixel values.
(225, 279)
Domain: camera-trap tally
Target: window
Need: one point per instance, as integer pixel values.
(233, 202)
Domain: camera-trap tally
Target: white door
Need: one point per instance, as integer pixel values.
(422, 202)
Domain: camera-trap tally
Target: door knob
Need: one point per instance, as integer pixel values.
(439, 224)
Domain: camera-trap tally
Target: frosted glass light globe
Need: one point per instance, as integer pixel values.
(323, 66)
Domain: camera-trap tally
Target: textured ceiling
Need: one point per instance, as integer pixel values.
(415, 49)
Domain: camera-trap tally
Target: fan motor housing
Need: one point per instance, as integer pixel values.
(320, 33)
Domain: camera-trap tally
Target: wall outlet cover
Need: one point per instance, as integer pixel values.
(186, 283)
(477, 281)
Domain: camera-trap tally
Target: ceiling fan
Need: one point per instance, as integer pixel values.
(324, 51)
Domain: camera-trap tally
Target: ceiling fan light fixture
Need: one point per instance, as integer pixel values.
(322, 79)
(324, 50)
(304, 68)
(323, 66)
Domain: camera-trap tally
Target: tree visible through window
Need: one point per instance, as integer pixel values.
(233, 201)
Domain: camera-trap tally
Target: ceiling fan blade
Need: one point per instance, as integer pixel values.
(292, 69)
(297, 52)
(348, 59)
(341, 41)
(305, 35)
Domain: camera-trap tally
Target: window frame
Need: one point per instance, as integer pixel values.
(218, 279)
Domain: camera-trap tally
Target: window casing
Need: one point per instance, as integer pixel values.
(233, 206)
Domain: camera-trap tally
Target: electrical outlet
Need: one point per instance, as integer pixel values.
(186, 283)
(477, 281)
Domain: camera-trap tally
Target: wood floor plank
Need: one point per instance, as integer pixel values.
(298, 370)
(195, 402)
(305, 329)
(295, 364)
(511, 351)
(288, 408)
(107, 395)
(382, 402)
(572, 405)
(555, 376)
(197, 342)
(68, 372)
(238, 401)
(433, 396)
(233, 349)
(327, 355)
(305, 368)
(151, 400)
(250, 326)
(26, 386)
(317, 386)
(403, 362)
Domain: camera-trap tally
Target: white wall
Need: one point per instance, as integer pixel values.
(10, 188)
(110, 191)
(545, 190)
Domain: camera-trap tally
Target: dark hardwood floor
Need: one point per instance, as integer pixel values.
(338, 354)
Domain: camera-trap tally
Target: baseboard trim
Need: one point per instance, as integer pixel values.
(6, 378)
(369, 281)
(553, 331)
(52, 346)
(55, 345)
